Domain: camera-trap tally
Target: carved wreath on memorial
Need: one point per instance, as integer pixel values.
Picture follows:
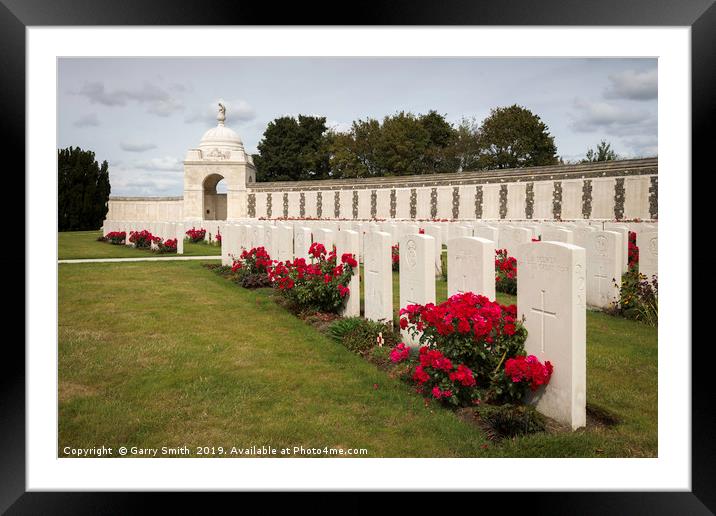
(216, 154)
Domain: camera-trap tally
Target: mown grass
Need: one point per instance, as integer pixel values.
(73, 245)
(168, 354)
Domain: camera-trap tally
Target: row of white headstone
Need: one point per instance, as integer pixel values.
(163, 230)
(606, 250)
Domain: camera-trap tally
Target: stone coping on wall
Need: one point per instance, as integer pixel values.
(617, 168)
(154, 199)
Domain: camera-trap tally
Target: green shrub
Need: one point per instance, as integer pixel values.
(340, 327)
(638, 298)
(380, 356)
(257, 280)
(512, 420)
(221, 270)
(364, 336)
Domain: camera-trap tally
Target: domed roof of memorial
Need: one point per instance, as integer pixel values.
(221, 137)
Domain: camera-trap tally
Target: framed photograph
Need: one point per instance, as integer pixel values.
(424, 247)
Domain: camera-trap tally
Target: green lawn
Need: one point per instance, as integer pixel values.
(168, 354)
(84, 244)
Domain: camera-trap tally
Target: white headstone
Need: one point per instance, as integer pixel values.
(471, 266)
(488, 233)
(270, 234)
(648, 242)
(326, 237)
(554, 234)
(417, 276)
(580, 236)
(283, 242)
(179, 235)
(227, 244)
(624, 230)
(551, 297)
(435, 232)
(301, 241)
(511, 238)
(257, 237)
(378, 274)
(604, 267)
(348, 243)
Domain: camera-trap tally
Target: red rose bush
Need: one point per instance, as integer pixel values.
(253, 261)
(142, 239)
(319, 284)
(115, 237)
(464, 345)
(167, 246)
(633, 251)
(196, 235)
(505, 272)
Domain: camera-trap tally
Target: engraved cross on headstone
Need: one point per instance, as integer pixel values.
(373, 297)
(543, 313)
(601, 277)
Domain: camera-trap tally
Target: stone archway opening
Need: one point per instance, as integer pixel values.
(214, 197)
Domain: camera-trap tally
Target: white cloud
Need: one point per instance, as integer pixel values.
(133, 179)
(633, 85)
(166, 163)
(611, 118)
(339, 127)
(88, 120)
(236, 111)
(642, 146)
(159, 101)
(136, 147)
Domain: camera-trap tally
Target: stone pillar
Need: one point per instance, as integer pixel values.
(552, 299)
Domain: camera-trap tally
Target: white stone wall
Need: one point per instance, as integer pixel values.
(605, 203)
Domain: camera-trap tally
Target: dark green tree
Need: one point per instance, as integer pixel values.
(440, 154)
(604, 152)
(403, 144)
(466, 147)
(513, 137)
(83, 190)
(293, 149)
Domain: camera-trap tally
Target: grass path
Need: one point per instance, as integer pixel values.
(154, 354)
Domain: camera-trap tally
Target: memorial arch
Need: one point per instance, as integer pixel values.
(220, 156)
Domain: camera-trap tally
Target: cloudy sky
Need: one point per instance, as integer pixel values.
(142, 114)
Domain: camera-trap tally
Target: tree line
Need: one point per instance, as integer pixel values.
(83, 190)
(294, 149)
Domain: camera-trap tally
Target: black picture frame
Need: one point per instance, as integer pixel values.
(16, 15)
